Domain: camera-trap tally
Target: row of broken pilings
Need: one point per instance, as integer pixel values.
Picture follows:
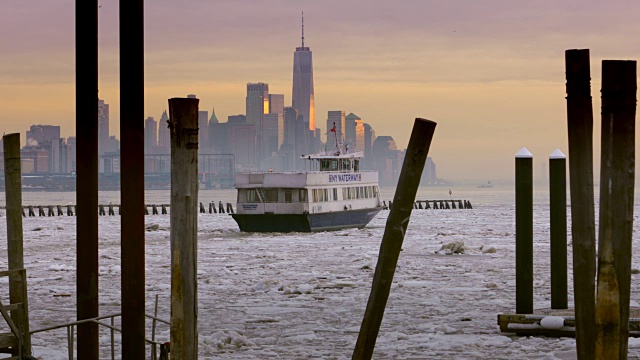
(435, 204)
(104, 210)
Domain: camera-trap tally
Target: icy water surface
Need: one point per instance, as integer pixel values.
(302, 296)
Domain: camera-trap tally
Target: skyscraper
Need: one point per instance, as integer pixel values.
(276, 106)
(302, 94)
(203, 131)
(103, 126)
(350, 123)
(257, 106)
(164, 139)
(150, 135)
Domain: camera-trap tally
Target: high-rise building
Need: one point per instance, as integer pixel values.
(276, 106)
(335, 118)
(242, 144)
(369, 138)
(71, 154)
(350, 123)
(40, 134)
(203, 131)
(359, 143)
(150, 135)
(103, 126)
(302, 97)
(270, 129)
(164, 139)
(257, 105)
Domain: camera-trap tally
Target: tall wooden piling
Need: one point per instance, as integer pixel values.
(616, 208)
(524, 232)
(558, 224)
(13, 198)
(131, 15)
(183, 126)
(580, 131)
(396, 226)
(86, 36)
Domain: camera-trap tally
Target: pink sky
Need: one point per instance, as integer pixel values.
(490, 72)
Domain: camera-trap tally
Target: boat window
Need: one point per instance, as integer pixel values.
(352, 193)
(335, 194)
(288, 196)
(302, 195)
(345, 164)
(356, 165)
(326, 194)
(270, 195)
(334, 165)
(252, 196)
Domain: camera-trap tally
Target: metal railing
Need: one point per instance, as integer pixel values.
(72, 325)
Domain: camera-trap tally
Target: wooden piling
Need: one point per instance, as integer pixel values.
(524, 232)
(580, 132)
(184, 224)
(111, 211)
(86, 38)
(229, 208)
(60, 212)
(41, 211)
(211, 207)
(164, 209)
(13, 198)
(154, 209)
(558, 225)
(220, 207)
(616, 208)
(131, 15)
(396, 226)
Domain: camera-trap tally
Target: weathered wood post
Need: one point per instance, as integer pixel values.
(132, 280)
(220, 207)
(617, 169)
(13, 196)
(558, 219)
(580, 132)
(524, 232)
(183, 125)
(86, 36)
(394, 232)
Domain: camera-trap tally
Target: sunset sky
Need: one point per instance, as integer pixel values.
(490, 72)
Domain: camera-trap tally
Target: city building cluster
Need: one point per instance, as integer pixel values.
(270, 135)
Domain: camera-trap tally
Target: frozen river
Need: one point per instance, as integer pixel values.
(302, 296)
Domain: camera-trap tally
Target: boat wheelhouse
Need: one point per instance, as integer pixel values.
(333, 194)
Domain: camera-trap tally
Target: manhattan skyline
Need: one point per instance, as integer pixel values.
(490, 74)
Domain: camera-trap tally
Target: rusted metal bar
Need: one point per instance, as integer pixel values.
(580, 131)
(132, 177)
(394, 232)
(87, 174)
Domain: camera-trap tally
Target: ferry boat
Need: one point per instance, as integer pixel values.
(334, 194)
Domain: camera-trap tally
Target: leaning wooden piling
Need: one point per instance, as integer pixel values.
(229, 208)
(184, 224)
(580, 132)
(524, 232)
(220, 207)
(617, 168)
(13, 198)
(396, 226)
(558, 229)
